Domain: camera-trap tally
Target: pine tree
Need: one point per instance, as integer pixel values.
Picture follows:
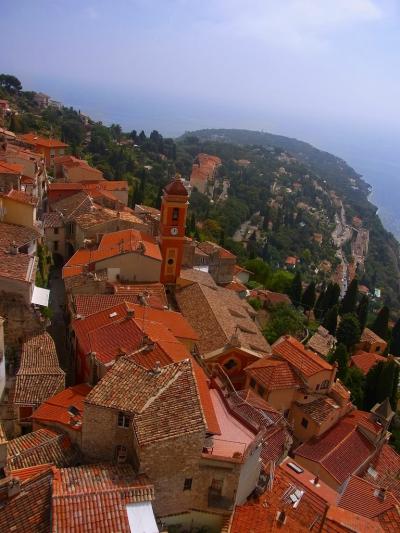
(308, 299)
(349, 301)
(330, 320)
(341, 356)
(381, 323)
(362, 311)
(192, 223)
(296, 290)
(349, 332)
(395, 342)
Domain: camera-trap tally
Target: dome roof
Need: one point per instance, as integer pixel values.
(176, 187)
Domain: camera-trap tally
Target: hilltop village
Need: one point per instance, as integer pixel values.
(149, 381)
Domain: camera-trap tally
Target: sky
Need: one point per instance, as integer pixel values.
(325, 71)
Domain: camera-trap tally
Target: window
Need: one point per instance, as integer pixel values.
(55, 246)
(378, 349)
(325, 384)
(304, 423)
(55, 231)
(175, 213)
(216, 485)
(187, 484)
(121, 454)
(123, 420)
(252, 383)
(230, 364)
(170, 261)
(286, 413)
(261, 390)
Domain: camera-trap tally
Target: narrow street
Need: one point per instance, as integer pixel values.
(58, 329)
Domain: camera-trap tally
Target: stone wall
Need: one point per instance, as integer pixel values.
(21, 319)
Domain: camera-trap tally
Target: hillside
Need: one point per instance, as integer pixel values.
(382, 263)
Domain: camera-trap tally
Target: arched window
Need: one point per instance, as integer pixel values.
(121, 453)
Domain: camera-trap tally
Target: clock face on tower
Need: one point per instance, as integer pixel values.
(174, 231)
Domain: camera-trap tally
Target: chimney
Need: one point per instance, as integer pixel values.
(130, 313)
(157, 368)
(13, 248)
(382, 494)
(14, 487)
(316, 481)
(121, 352)
(281, 518)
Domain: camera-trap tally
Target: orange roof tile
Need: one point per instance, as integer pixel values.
(342, 521)
(370, 336)
(385, 470)
(95, 497)
(21, 197)
(55, 409)
(305, 361)
(111, 245)
(364, 498)
(364, 361)
(10, 168)
(273, 374)
(35, 140)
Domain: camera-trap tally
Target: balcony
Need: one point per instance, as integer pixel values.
(217, 501)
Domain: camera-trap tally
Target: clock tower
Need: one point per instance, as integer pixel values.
(174, 205)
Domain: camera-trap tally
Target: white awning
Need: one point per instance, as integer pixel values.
(40, 296)
(141, 518)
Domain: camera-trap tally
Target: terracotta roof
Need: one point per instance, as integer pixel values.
(236, 286)
(39, 375)
(210, 248)
(20, 266)
(176, 188)
(111, 245)
(342, 521)
(290, 260)
(197, 276)
(272, 297)
(217, 315)
(342, 450)
(72, 206)
(384, 470)
(321, 342)
(56, 409)
(10, 168)
(31, 471)
(364, 498)
(52, 220)
(89, 304)
(164, 403)
(20, 197)
(319, 409)
(100, 215)
(101, 185)
(364, 361)
(14, 233)
(141, 208)
(370, 336)
(95, 497)
(261, 517)
(29, 510)
(156, 292)
(35, 140)
(273, 374)
(305, 361)
(39, 447)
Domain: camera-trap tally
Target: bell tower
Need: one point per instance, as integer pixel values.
(174, 205)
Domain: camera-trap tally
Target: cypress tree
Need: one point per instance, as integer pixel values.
(342, 358)
(371, 382)
(296, 290)
(334, 295)
(384, 387)
(395, 342)
(308, 299)
(381, 323)
(349, 301)
(318, 309)
(362, 311)
(349, 332)
(395, 394)
(330, 320)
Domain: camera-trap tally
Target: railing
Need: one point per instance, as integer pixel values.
(216, 500)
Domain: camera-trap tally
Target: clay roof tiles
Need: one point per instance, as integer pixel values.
(35, 140)
(273, 374)
(95, 497)
(217, 314)
(21, 197)
(364, 361)
(370, 336)
(39, 375)
(39, 447)
(385, 470)
(339, 520)
(164, 403)
(364, 498)
(305, 361)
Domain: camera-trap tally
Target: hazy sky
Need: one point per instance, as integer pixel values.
(271, 64)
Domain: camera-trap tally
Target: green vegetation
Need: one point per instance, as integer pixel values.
(284, 320)
(348, 332)
(381, 383)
